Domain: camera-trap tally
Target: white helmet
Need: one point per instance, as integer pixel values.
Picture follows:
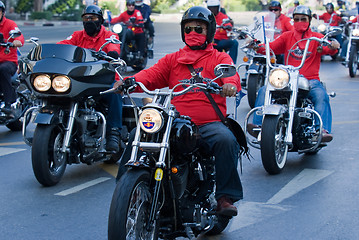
(213, 3)
(138, 2)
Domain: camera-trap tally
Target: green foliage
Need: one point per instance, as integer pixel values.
(41, 15)
(250, 5)
(24, 6)
(110, 5)
(62, 6)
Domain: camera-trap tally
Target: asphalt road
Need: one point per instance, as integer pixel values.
(315, 197)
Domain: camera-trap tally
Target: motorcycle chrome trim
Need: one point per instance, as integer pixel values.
(319, 140)
(25, 123)
(254, 144)
(68, 129)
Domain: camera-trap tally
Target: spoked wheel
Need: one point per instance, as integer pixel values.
(131, 207)
(273, 148)
(48, 161)
(255, 81)
(353, 61)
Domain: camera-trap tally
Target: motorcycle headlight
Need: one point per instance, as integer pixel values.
(322, 28)
(61, 83)
(117, 28)
(278, 78)
(151, 120)
(42, 83)
(356, 32)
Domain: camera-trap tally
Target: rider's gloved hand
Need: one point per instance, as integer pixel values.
(349, 23)
(334, 44)
(113, 54)
(228, 90)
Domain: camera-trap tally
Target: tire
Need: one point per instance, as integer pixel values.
(219, 226)
(129, 209)
(140, 66)
(255, 81)
(273, 149)
(48, 163)
(353, 61)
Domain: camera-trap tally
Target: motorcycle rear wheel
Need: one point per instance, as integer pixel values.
(254, 83)
(130, 208)
(48, 162)
(274, 151)
(353, 61)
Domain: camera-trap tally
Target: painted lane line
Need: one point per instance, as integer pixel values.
(12, 143)
(304, 179)
(5, 150)
(82, 186)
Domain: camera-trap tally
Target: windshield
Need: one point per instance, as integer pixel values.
(64, 51)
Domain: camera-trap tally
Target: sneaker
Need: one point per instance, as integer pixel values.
(326, 137)
(113, 140)
(253, 129)
(225, 207)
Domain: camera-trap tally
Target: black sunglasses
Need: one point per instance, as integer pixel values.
(304, 19)
(274, 9)
(197, 29)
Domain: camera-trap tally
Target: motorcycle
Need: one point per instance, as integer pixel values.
(13, 120)
(289, 119)
(70, 123)
(129, 51)
(351, 57)
(168, 188)
(254, 63)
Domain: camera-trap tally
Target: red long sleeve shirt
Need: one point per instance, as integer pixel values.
(172, 69)
(283, 25)
(221, 33)
(284, 43)
(6, 26)
(81, 39)
(125, 17)
(336, 19)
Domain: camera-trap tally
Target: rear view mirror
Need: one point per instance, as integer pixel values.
(15, 33)
(224, 70)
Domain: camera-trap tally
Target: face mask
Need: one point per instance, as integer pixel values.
(92, 27)
(301, 26)
(195, 39)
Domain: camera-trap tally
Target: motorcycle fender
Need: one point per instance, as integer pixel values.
(254, 68)
(48, 117)
(274, 109)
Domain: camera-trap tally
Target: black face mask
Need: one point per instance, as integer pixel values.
(92, 27)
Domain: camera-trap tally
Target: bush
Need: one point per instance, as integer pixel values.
(72, 15)
(41, 15)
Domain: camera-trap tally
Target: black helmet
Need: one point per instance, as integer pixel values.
(200, 14)
(130, 2)
(329, 6)
(303, 10)
(296, 2)
(93, 9)
(2, 6)
(274, 4)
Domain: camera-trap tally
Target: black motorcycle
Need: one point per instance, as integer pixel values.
(13, 120)
(168, 189)
(129, 50)
(71, 123)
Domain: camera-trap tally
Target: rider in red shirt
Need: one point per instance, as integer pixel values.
(282, 22)
(8, 62)
(138, 31)
(310, 70)
(93, 37)
(330, 16)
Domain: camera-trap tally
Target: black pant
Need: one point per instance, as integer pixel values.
(149, 26)
(140, 42)
(7, 70)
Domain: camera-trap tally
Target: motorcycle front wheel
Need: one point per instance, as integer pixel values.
(131, 207)
(48, 161)
(353, 61)
(273, 148)
(255, 81)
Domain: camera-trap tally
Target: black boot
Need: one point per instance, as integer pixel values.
(113, 140)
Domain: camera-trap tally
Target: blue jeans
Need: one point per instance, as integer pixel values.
(228, 45)
(224, 147)
(317, 94)
(114, 115)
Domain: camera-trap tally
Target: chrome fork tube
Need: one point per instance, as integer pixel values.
(68, 129)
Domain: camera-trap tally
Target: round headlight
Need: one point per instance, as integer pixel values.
(322, 27)
(61, 83)
(356, 32)
(278, 78)
(117, 28)
(42, 83)
(151, 120)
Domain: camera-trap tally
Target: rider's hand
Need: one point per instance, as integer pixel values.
(113, 54)
(228, 90)
(334, 44)
(17, 43)
(117, 85)
(315, 15)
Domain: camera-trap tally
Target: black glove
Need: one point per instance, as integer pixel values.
(113, 54)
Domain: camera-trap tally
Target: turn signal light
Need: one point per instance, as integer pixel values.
(245, 59)
(272, 60)
(174, 170)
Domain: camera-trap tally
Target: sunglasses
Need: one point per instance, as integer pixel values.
(304, 19)
(89, 18)
(130, 4)
(274, 9)
(197, 29)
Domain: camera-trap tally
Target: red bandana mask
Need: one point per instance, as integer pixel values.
(195, 39)
(301, 26)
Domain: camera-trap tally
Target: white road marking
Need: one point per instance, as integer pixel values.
(304, 179)
(82, 186)
(253, 212)
(5, 150)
